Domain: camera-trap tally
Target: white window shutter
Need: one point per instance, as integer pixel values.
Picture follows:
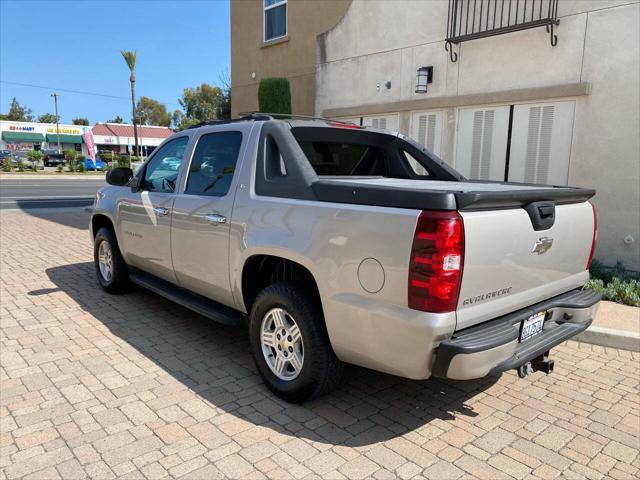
(481, 143)
(541, 143)
(389, 122)
(426, 129)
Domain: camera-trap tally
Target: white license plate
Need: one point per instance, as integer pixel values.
(532, 326)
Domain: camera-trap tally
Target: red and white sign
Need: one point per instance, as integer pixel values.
(91, 145)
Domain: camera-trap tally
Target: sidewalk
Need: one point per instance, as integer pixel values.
(616, 326)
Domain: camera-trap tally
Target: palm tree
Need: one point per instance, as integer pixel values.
(130, 58)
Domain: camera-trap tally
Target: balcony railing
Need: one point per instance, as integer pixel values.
(472, 19)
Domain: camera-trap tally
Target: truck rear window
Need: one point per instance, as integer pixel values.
(344, 159)
(339, 152)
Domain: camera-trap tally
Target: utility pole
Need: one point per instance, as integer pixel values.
(55, 101)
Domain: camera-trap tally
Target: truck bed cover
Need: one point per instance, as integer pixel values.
(441, 195)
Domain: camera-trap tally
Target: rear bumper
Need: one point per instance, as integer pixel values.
(493, 346)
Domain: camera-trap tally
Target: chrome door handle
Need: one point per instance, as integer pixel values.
(161, 211)
(215, 218)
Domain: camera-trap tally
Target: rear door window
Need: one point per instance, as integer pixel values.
(214, 163)
(345, 159)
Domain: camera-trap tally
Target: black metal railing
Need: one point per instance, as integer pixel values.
(472, 19)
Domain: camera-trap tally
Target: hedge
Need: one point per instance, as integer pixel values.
(274, 95)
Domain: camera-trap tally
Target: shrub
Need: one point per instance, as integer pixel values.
(123, 161)
(36, 158)
(20, 166)
(70, 157)
(7, 166)
(274, 95)
(616, 284)
(60, 168)
(81, 166)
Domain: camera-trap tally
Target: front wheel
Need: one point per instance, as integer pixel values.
(290, 344)
(112, 271)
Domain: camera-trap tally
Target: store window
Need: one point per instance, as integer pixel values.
(275, 19)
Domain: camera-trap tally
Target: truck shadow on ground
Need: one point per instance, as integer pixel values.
(214, 361)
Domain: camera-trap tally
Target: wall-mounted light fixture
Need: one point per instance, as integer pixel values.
(424, 76)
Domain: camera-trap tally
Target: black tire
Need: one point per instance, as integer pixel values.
(119, 280)
(321, 370)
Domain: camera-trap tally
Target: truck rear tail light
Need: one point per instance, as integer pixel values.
(437, 259)
(595, 237)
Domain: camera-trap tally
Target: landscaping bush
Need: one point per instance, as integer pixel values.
(274, 95)
(616, 284)
(60, 168)
(70, 157)
(123, 161)
(81, 167)
(7, 166)
(20, 166)
(36, 159)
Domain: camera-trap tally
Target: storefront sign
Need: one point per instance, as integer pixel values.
(17, 128)
(16, 147)
(91, 146)
(68, 131)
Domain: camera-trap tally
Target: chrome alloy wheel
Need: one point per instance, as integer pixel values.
(282, 345)
(105, 261)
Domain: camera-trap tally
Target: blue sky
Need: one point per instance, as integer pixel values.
(76, 45)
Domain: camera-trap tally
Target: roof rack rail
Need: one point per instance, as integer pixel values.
(302, 117)
(244, 118)
(261, 116)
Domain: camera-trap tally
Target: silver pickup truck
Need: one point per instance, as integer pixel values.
(338, 243)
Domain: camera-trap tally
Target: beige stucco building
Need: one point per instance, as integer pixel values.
(277, 38)
(512, 106)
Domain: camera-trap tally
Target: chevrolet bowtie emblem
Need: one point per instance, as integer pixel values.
(542, 245)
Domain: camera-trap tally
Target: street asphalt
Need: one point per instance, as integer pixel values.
(25, 194)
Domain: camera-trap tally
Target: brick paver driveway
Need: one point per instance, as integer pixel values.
(133, 386)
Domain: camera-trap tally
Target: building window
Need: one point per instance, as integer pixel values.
(275, 19)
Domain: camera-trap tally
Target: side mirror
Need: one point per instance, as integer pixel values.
(119, 176)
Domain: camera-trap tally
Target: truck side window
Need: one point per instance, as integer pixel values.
(213, 164)
(162, 170)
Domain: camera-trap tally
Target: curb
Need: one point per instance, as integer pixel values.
(609, 337)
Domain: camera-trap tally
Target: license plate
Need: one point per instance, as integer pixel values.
(532, 326)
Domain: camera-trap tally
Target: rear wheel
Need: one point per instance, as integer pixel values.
(112, 271)
(290, 344)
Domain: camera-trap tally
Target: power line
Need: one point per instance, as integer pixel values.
(79, 92)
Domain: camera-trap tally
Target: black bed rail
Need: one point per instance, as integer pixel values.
(472, 19)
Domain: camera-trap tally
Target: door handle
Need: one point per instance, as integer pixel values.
(216, 219)
(161, 211)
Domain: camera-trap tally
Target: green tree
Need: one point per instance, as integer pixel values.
(18, 113)
(274, 95)
(48, 118)
(202, 103)
(118, 119)
(152, 112)
(130, 58)
(80, 121)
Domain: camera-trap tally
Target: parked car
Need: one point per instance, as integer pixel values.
(52, 158)
(90, 165)
(339, 243)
